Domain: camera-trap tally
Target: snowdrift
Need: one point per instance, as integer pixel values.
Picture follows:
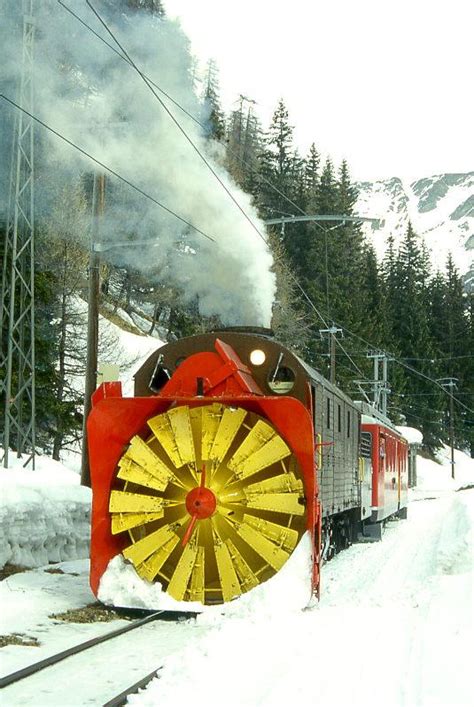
(44, 514)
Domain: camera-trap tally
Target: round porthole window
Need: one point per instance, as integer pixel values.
(281, 380)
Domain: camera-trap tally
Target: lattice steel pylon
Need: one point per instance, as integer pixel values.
(17, 314)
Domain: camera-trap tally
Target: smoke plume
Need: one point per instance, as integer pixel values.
(98, 101)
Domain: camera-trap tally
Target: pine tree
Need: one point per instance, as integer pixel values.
(468, 391)
(244, 147)
(410, 333)
(450, 329)
(215, 119)
(311, 177)
(277, 166)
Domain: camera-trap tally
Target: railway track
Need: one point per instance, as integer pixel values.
(54, 680)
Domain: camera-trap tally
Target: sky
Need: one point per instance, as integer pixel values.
(386, 85)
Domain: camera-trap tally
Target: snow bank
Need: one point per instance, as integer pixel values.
(434, 477)
(412, 435)
(290, 588)
(44, 514)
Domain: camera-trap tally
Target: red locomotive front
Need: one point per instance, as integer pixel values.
(207, 485)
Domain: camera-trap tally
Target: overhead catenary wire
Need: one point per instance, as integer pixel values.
(182, 108)
(206, 162)
(290, 201)
(107, 168)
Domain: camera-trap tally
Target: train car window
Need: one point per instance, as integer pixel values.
(348, 423)
(281, 380)
(366, 445)
(159, 377)
(338, 418)
(328, 413)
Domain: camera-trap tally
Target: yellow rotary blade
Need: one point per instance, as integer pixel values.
(196, 584)
(180, 420)
(211, 417)
(287, 538)
(151, 566)
(271, 553)
(179, 581)
(130, 471)
(140, 453)
(173, 430)
(283, 483)
(125, 521)
(138, 552)
(233, 495)
(277, 502)
(229, 425)
(228, 577)
(261, 448)
(124, 502)
(246, 577)
(161, 428)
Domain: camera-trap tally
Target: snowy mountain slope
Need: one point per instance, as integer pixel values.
(440, 207)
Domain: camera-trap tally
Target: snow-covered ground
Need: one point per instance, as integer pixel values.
(393, 627)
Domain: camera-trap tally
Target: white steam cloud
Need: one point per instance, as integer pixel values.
(98, 101)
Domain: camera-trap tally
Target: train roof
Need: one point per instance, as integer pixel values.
(244, 340)
(372, 416)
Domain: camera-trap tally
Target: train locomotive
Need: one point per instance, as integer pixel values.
(229, 451)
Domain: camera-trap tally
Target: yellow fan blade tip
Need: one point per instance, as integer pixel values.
(150, 567)
(277, 502)
(179, 581)
(271, 553)
(230, 584)
(139, 551)
(126, 521)
(125, 502)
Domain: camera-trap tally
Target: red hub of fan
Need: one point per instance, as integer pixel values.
(201, 502)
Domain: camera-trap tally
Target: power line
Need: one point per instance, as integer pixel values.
(176, 122)
(125, 56)
(107, 168)
(306, 297)
(188, 138)
(178, 105)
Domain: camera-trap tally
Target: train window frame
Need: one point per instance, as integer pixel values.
(339, 418)
(348, 424)
(272, 383)
(328, 413)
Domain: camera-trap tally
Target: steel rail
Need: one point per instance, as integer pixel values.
(57, 657)
(121, 699)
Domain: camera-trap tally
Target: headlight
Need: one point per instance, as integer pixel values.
(257, 357)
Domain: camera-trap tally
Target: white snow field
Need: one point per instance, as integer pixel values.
(393, 627)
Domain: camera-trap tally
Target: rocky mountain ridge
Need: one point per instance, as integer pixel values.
(440, 208)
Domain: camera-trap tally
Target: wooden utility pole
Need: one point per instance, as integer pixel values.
(98, 203)
(332, 333)
(449, 384)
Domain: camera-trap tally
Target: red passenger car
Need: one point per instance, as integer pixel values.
(389, 467)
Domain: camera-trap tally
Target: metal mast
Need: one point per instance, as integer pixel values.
(17, 318)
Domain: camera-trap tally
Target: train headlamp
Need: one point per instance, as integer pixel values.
(257, 357)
